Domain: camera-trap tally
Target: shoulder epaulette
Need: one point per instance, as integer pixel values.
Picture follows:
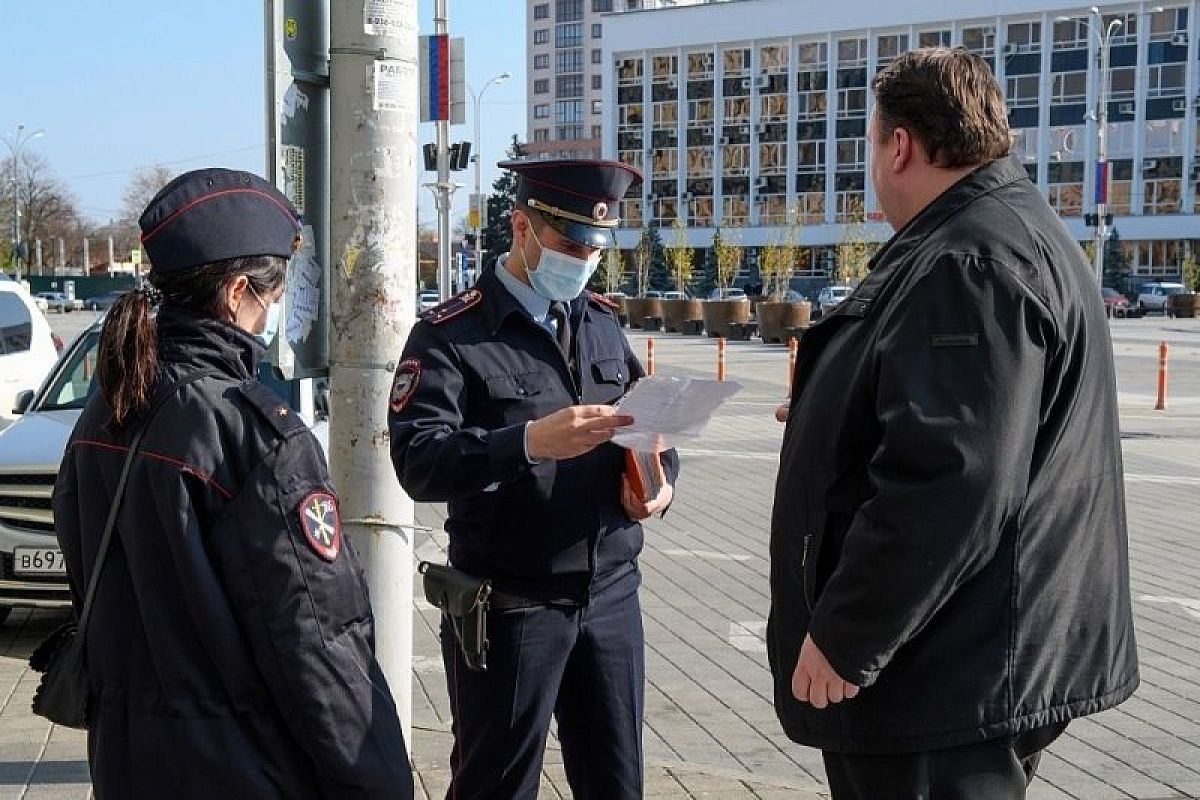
(604, 302)
(271, 407)
(461, 302)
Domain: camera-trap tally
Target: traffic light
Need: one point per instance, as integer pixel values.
(460, 156)
(430, 151)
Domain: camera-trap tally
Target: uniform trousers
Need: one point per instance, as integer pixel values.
(998, 769)
(583, 664)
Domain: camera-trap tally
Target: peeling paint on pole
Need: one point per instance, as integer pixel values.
(373, 212)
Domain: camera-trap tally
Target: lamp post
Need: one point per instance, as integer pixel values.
(481, 207)
(15, 145)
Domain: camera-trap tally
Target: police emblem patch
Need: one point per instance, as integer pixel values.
(321, 524)
(405, 384)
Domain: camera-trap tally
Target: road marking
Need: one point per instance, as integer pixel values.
(708, 555)
(1191, 606)
(749, 637)
(427, 665)
(730, 454)
(1176, 479)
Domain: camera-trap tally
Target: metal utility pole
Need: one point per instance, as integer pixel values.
(16, 144)
(443, 189)
(87, 258)
(373, 96)
(1102, 176)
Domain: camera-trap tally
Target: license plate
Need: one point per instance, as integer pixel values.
(39, 561)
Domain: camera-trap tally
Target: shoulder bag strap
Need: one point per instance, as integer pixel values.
(119, 494)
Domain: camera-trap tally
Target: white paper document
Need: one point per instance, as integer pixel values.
(667, 411)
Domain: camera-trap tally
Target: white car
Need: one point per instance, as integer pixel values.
(427, 300)
(32, 569)
(728, 294)
(831, 296)
(27, 350)
(1153, 296)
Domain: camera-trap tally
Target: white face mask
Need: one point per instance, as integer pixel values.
(271, 328)
(559, 277)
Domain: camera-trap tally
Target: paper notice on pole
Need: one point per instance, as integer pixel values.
(392, 82)
(386, 18)
(303, 294)
(667, 411)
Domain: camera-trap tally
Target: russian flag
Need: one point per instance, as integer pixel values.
(1101, 182)
(439, 77)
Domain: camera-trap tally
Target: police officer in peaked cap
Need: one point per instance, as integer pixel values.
(230, 649)
(502, 408)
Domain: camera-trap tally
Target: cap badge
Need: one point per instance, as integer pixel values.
(600, 211)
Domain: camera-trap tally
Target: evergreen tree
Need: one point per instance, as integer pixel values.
(660, 267)
(497, 236)
(1116, 265)
(707, 277)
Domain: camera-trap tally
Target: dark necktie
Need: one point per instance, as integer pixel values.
(559, 312)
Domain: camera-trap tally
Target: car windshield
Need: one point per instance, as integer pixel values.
(16, 326)
(1173, 289)
(75, 381)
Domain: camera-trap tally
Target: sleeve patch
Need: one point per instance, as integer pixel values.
(408, 375)
(321, 524)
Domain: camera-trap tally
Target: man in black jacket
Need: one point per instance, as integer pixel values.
(949, 566)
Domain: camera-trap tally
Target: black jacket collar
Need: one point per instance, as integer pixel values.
(197, 340)
(499, 304)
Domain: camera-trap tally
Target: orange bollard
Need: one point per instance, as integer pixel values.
(721, 358)
(1161, 405)
(650, 356)
(793, 349)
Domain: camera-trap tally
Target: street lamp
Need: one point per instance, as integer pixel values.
(481, 207)
(1104, 43)
(15, 145)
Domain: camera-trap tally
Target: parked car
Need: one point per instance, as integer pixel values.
(103, 302)
(426, 300)
(732, 293)
(653, 294)
(32, 571)
(27, 346)
(831, 296)
(1153, 296)
(675, 296)
(1116, 303)
(57, 301)
(41, 304)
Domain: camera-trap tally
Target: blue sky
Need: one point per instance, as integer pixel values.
(122, 84)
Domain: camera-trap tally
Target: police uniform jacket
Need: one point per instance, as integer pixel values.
(475, 371)
(949, 520)
(226, 655)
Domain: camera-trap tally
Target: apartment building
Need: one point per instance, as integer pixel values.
(750, 113)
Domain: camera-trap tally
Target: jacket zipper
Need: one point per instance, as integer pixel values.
(804, 572)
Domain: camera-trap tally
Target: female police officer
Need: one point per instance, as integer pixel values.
(230, 647)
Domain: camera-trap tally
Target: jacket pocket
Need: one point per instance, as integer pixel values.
(812, 533)
(519, 386)
(610, 376)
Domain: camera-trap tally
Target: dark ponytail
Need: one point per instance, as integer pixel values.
(128, 359)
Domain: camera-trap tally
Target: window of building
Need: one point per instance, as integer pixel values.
(700, 65)
(700, 111)
(737, 109)
(597, 83)
(602, 6)
(1025, 37)
(933, 38)
(629, 71)
(597, 56)
(567, 133)
(852, 52)
(812, 55)
(1120, 187)
(1164, 80)
(568, 35)
(664, 67)
(699, 162)
(1071, 34)
(566, 61)
(773, 58)
(851, 154)
(1122, 82)
(851, 103)
(665, 163)
(773, 107)
(597, 107)
(631, 212)
(541, 61)
(1068, 87)
(1068, 142)
(736, 61)
(735, 211)
(597, 131)
(1025, 144)
(541, 86)
(1162, 185)
(810, 156)
(541, 134)
(848, 203)
(1155, 258)
(568, 86)
(568, 111)
(736, 159)
(887, 48)
(1065, 187)
(1163, 137)
(772, 158)
(812, 105)
(541, 36)
(597, 30)
(541, 11)
(541, 111)
(630, 115)
(980, 40)
(1022, 90)
(1126, 32)
(1168, 23)
(568, 10)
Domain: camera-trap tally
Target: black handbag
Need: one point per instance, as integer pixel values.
(62, 694)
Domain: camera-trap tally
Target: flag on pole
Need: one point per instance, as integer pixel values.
(1101, 182)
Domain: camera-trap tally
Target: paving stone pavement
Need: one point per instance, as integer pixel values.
(710, 728)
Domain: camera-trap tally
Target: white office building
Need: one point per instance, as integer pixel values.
(746, 113)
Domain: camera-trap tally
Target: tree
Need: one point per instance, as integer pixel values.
(1191, 273)
(855, 250)
(727, 257)
(608, 276)
(681, 257)
(778, 259)
(1116, 266)
(660, 267)
(643, 255)
(497, 235)
(143, 185)
(48, 210)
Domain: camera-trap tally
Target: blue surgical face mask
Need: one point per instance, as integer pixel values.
(271, 329)
(559, 277)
